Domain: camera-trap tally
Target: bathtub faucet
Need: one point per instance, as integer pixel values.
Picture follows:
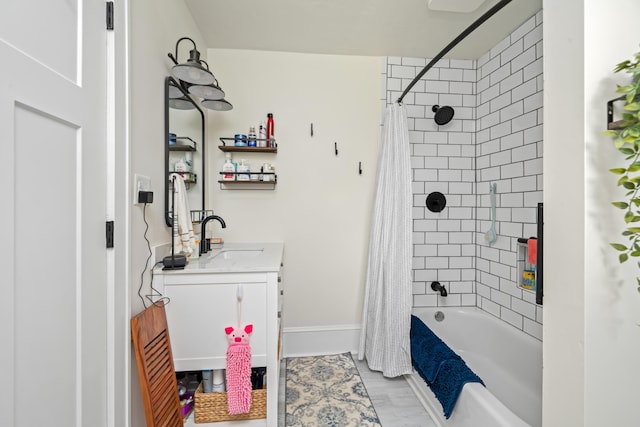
(436, 286)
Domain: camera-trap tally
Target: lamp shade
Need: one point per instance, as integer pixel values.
(212, 91)
(182, 103)
(174, 92)
(193, 72)
(217, 104)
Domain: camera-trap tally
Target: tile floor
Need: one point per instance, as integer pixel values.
(393, 399)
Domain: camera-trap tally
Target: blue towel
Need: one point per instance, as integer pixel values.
(442, 369)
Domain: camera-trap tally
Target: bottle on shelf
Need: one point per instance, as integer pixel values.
(252, 136)
(228, 169)
(270, 131)
(180, 166)
(268, 172)
(244, 171)
(188, 160)
(262, 134)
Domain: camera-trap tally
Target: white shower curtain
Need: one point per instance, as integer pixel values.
(386, 318)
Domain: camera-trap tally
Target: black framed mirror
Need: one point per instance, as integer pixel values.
(184, 146)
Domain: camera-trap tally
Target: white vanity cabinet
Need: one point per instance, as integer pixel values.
(203, 301)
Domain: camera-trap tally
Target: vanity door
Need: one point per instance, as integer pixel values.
(198, 314)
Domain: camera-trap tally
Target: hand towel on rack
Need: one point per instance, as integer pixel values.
(182, 238)
(532, 251)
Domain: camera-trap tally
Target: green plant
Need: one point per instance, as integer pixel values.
(626, 138)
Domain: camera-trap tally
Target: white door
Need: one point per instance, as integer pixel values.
(53, 261)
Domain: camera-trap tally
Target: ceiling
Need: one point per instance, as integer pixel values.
(355, 27)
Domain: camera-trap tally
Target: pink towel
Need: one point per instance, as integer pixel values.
(238, 379)
(532, 251)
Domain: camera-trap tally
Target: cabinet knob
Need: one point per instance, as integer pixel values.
(281, 292)
(279, 279)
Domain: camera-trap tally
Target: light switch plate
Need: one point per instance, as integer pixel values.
(140, 183)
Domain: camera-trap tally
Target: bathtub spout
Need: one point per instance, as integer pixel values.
(436, 286)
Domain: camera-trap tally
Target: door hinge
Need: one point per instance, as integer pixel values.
(109, 15)
(109, 234)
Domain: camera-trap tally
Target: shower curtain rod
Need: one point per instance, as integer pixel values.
(451, 45)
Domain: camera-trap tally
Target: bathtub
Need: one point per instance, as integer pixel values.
(508, 361)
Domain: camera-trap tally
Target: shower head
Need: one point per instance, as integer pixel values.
(443, 115)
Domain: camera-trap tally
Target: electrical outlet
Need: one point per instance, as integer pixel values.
(140, 183)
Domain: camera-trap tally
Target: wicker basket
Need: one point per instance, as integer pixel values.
(212, 407)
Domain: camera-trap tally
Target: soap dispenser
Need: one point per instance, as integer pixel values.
(228, 169)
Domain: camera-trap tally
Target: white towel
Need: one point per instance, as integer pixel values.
(183, 233)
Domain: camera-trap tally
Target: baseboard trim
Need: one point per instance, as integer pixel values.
(320, 340)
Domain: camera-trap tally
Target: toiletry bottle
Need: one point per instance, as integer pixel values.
(252, 136)
(195, 248)
(270, 141)
(266, 175)
(243, 171)
(262, 134)
(207, 381)
(218, 381)
(228, 169)
(188, 159)
(195, 241)
(181, 167)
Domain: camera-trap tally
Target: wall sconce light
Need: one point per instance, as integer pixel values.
(191, 71)
(194, 76)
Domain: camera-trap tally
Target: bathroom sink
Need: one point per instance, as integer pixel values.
(237, 254)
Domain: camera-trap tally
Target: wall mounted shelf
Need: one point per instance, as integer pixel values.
(246, 149)
(614, 124)
(247, 185)
(523, 265)
(189, 177)
(253, 184)
(181, 148)
(232, 148)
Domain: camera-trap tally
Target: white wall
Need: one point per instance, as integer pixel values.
(592, 310)
(612, 303)
(155, 26)
(155, 29)
(321, 206)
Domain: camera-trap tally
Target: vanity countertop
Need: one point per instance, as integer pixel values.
(234, 258)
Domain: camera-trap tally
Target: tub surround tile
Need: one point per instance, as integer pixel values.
(533, 328)
(495, 136)
(511, 317)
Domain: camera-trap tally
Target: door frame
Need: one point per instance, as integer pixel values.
(118, 165)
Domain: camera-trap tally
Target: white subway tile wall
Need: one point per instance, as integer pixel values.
(494, 137)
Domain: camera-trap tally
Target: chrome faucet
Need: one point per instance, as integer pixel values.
(436, 286)
(205, 245)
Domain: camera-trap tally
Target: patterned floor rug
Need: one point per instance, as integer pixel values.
(326, 391)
